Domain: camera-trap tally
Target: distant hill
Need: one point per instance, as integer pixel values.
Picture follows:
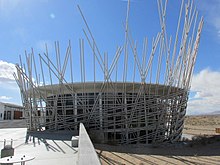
(214, 113)
(210, 114)
(206, 114)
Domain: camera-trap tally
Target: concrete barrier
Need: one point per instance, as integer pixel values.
(74, 141)
(86, 150)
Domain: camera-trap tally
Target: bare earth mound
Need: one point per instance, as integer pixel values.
(204, 148)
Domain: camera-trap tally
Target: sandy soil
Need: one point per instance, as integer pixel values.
(205, 150)
(200, 125)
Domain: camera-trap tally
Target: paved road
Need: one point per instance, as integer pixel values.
(12, 124)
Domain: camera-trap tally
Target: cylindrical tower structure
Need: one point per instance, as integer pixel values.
(147, 108)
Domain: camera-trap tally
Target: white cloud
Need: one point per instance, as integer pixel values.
(9, 90)
(5, 98)
(6, 72)
(210, 9)
(206, 86)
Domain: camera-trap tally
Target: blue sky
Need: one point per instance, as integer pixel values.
(26, 24)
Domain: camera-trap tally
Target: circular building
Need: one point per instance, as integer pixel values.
(117, 112)
(147, 105)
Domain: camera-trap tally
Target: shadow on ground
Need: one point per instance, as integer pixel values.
(200, 146)
(53, 141)
(49, 135)
(202, 150)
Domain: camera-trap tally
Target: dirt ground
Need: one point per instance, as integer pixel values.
(201, 125)
(203, 149)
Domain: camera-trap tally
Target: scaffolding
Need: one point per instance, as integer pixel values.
(121, 111)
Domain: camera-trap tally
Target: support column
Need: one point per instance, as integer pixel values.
(12, 113)
(75, 111)
(126, 118)
(55, 110)
(100, 111)
(145, 117)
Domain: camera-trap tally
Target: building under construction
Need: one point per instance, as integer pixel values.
(114, 110)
